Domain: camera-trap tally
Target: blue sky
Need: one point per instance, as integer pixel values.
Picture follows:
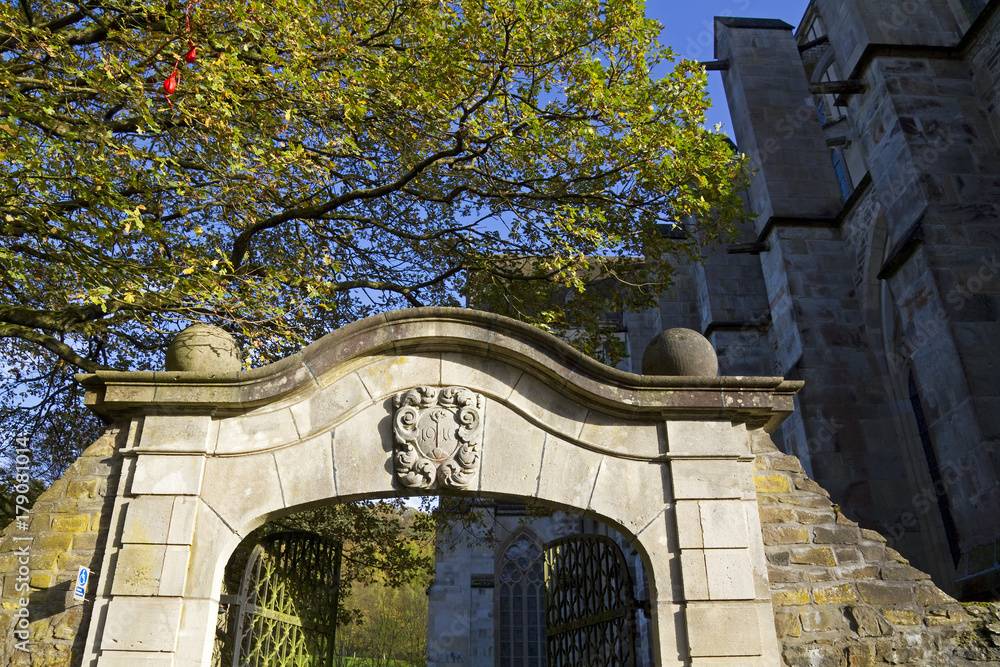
(688, 29)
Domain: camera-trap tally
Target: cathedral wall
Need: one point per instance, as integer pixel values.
(984, 59)
(853, 25)
(935, 168)
(905, 311)
(810, 267)
(774, 118)
(732, 301)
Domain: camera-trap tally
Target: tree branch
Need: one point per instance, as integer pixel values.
(242, 242)
(29, 16)
(54, 345)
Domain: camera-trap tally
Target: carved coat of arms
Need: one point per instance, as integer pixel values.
(438, 435)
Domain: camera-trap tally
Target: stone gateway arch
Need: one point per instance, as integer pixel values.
(435, 400)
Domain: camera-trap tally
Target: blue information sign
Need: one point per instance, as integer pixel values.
(81, 583)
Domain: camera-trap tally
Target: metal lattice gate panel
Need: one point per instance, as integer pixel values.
(286, 612)
(590, 607)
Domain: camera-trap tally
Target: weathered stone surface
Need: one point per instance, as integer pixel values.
(723, 629)
(147, 520)
(787, 625)
(813, 556)
(787, 597)
(705, 437)
(822, 620)
(325, 408)
(835, 535)
(868, 622)
(212, 534)
(863, 599)
(257, 432)
(305, 471)
(511, 438)
(630, 494)
(243, 488)
(689, 527)
(834, 594)
(785, 535)
(138, 570)
(706, 479)
(205, 349)
(622, 436)
(58, 621)
(724, 524)
(570, 481)
(730, 575)
(175, 433)
(167, 475)
(390, 374)
(885, 594)
(494, 379)
(157, 630)
(772, 484)
(543, 404)
(695, 574)
(680, 352)
(362, 452)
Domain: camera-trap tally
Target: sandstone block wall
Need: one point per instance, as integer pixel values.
(842, 597)
(68, 526)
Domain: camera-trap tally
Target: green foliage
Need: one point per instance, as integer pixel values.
(322, 161)
(385, 544)
(9, 498)
(392, 631)
(384, 541)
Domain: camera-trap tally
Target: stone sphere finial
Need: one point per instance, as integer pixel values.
(680, 352)
(204, 348)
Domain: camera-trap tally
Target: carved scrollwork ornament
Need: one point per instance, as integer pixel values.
(438, 435)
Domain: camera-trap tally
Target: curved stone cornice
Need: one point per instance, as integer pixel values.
(761, 400)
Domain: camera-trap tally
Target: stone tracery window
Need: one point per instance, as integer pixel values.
(815, 30)
(520, 610)
(827, 108)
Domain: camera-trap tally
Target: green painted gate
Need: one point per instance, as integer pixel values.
(285, 614)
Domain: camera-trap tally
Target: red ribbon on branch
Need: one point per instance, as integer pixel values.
(170, 84)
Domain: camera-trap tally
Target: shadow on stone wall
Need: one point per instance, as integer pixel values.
(842, 597)
(68, 527)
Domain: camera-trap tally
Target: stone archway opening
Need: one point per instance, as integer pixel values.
(465, 606)
(378, 610)
(741, 548)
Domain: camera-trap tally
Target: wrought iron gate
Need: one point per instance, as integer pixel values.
(590, 607)
(286, 612)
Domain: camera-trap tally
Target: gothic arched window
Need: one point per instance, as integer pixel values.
(940, 484)
(520, 610)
